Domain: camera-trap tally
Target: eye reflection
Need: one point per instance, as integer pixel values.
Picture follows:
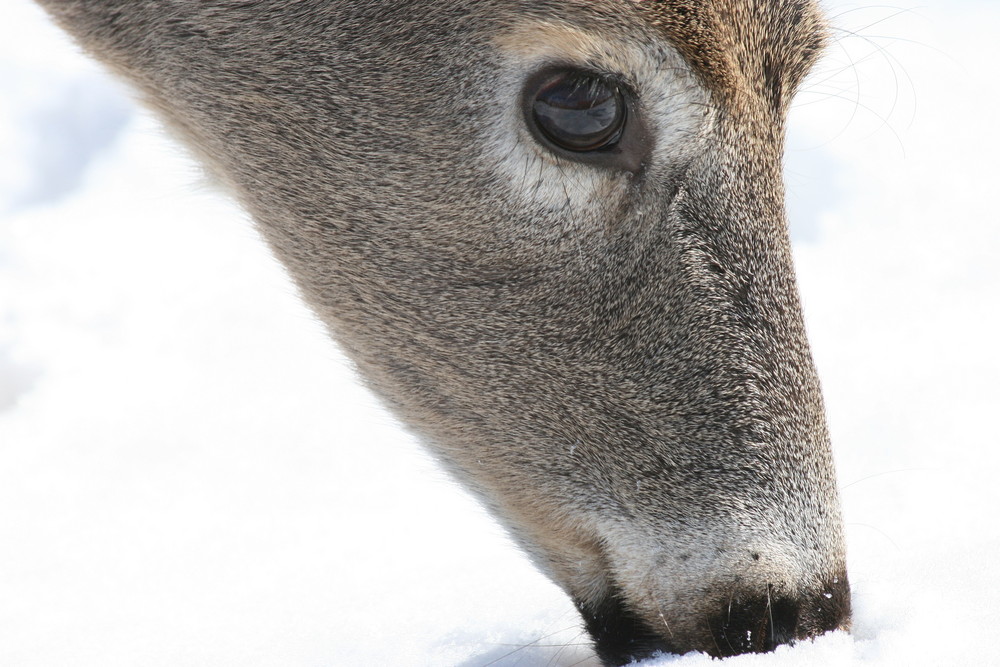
(579, 111)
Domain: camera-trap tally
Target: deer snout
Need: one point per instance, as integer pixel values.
(741, 620)
(760, 621)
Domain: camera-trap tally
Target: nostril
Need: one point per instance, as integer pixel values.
(754, 624)
(782, 622)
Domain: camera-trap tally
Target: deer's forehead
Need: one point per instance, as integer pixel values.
(764, 47)
(742, 50)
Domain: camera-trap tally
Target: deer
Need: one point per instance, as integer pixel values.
(551, 237)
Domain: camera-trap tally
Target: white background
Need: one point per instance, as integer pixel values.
(189, 474)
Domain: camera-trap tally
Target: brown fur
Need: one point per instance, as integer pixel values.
(747, 52)
(611, 356)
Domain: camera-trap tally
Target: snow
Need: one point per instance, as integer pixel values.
(191, 475)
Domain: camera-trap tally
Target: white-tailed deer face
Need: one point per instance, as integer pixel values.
(551, 235)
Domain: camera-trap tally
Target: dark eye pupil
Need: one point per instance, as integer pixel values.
(579, 112)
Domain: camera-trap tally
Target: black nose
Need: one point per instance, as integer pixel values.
(753, 624)
(747, 622)
(758, 623)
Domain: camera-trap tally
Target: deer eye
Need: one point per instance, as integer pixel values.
(578, 111)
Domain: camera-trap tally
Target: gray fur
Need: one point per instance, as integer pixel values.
(614, 361)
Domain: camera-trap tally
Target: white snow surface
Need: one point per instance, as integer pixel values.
(191, 475)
